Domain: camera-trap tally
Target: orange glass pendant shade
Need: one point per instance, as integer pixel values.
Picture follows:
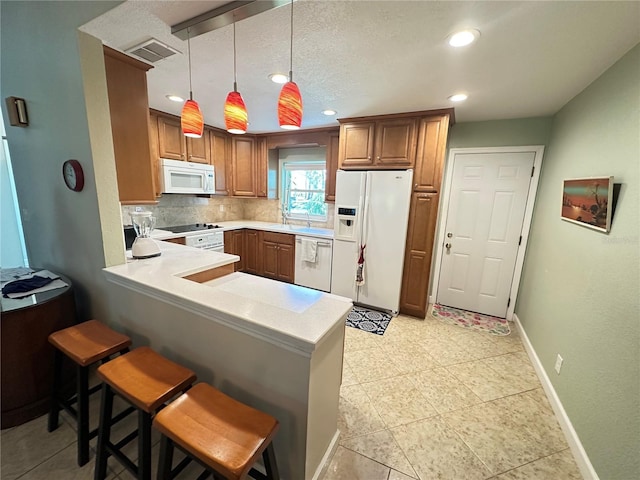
(235, 114)
(191, 119)
(290, 107)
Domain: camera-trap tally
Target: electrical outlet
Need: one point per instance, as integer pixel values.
(222, 208)
(139, 209)
(558, 366)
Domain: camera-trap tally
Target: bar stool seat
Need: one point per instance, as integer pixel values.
(226, 436)
(85, 344)
(147, 380)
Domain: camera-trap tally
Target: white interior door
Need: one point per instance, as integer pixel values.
(488, 196)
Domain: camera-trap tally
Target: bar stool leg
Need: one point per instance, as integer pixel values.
(166, 458)
(144, 445)
(57, 379)
(83, 415)
(104, 432)
(270, 465)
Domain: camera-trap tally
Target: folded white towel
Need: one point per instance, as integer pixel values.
(309, 250)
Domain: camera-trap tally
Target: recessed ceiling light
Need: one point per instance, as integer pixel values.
(175, 98)
(463, 38)
(278, 78)
(458, 97)
(329, 112)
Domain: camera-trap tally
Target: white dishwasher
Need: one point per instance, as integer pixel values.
(314, 274)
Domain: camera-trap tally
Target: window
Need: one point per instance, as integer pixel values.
(303, 186)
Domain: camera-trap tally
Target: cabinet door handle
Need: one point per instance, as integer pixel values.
(378, 157)
(369, 158)
(415, 186)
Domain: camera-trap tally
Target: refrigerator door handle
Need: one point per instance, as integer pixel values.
(365, 218)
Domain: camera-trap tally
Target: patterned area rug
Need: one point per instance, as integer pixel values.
(471, 320)
(368, 320)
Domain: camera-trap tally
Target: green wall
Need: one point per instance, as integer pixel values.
(40, 62)
(579, 295)
(501, 133)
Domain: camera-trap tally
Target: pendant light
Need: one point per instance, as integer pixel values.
(235, 113)
(290, 100)
(191, 118)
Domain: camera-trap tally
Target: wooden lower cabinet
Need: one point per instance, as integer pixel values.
(419, 249)
(267, 254)
(234, 244)
(252, 252)
(278, 256)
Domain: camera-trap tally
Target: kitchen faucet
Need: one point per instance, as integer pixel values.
(308, 219)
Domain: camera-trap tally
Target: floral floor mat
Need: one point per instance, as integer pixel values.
(368, 320)
(471, 320)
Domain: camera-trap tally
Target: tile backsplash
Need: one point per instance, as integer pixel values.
(175, 209)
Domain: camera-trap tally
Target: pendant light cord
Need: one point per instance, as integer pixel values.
(189, 52)
(235, 75)
(291, 47)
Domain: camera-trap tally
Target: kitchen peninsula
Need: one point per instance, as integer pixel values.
(274, 346)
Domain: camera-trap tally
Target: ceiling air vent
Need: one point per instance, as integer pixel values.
(152, 50)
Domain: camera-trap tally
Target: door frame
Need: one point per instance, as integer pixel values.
(538, 151)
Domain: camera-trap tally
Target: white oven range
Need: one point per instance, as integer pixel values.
(213, 241)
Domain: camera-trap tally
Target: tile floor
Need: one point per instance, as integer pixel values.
(432, 401)
(424, 401)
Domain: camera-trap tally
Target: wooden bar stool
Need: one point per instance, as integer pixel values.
(146, 380)
(85, 344)
(222, 434)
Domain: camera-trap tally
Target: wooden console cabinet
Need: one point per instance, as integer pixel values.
(27, 355)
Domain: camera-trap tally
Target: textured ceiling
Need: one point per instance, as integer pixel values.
(376, 57)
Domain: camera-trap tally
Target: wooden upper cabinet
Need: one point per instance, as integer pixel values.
(262, 166)
(243, 170)
(383, 143)
(173, 144)
(395, 144)
(129, 109)
(356, 144)
(219, 144)
(171, 141)
(198, 149)
(332, 166)
(432, 142)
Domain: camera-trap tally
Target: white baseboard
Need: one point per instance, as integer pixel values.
(578, 451)
(327, 457)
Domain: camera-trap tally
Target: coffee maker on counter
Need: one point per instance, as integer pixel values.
(144, 246)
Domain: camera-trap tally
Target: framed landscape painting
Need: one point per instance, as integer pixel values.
(587, 202)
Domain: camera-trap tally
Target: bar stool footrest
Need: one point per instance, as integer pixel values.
(114, 451)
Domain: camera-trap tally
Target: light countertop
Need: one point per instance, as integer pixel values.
(162, 233)
(294, 317)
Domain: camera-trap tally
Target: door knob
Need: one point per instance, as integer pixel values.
(449, 235)
(448, 246)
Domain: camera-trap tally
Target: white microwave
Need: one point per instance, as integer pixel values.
(187, 177)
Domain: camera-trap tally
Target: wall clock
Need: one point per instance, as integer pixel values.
(73, 175)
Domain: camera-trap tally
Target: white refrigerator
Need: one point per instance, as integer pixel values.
(371, 217)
